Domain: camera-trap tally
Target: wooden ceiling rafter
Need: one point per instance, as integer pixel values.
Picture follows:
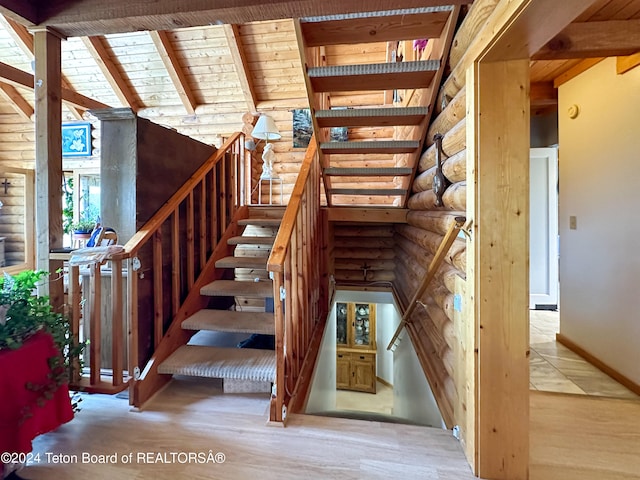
(232, 33)
(19, 78)
(169, 57)
(17, 101)
(100, 53)
(24, 39)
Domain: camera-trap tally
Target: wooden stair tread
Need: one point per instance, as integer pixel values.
(260, 222)
(242, 262)
(374, 76)
(253, 240)
(371, 117)
(233, 288)
(383, 26)
(367, 191)
(367, 172)
(217, 362)
(231, 321)
(387, 146)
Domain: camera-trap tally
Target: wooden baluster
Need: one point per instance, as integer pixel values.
(95, 326)
(191, 253)
(158, 297)
(74, 310)
(175, 262)
(132, 317)
(116, 322)
(203, 224)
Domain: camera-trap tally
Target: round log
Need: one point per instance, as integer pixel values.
(455, 111)
(455, 197)
(455, 167)
(358, 276)
(453, 142)
(432, 221)
(469, 28)
(431, 241)
(424, 181)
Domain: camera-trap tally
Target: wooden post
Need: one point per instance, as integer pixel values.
(498, 146)
(48, 113)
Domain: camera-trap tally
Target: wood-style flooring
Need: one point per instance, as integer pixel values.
(192, 415)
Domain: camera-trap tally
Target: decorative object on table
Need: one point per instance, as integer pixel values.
(440, 182)
(76, 139)
(266, 130)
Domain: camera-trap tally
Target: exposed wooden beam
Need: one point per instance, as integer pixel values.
(165, 49)
(48, 162)
(593, 39)
(537, 22)
(367, 215)
(576, 70)
(23, 9)
(24, 39)
(543, 94)
(232, 32)
(97, 17)
(624, 64)
(99, 52)
(19, 78)
(20, 105)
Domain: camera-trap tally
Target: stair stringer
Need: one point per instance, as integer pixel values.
(150, 380)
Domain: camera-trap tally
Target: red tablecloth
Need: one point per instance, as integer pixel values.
(17, 367)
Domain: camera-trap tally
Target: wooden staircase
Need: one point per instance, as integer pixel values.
(239, 308)
(373, 172)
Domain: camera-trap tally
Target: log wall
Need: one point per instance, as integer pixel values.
(363, 253)
(438, 326)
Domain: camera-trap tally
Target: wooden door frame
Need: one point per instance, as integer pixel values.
(497, 298)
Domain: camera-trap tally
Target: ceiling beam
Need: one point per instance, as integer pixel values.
(23, 9)
(232, 32)
(168, 55)
(624, 64)
(24, 39)
(19, 78)
(17, 101)
(98, 50)
(593, 39)
(543, 94)
(75, 18)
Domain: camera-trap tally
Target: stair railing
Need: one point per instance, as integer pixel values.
(172, 250)
(437, 260)
(297, 267)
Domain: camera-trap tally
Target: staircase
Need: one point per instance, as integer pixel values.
(240, 309)
(374, 172)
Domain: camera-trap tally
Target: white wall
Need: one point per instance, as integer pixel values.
(322, 396)
(600, 185)
(387, 320)
(412, 396)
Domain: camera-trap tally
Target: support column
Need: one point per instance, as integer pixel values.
(48, 114)
(498, 150)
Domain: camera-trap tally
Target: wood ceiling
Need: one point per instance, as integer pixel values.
(200, 79)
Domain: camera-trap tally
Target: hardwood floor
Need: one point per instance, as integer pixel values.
(194, 416)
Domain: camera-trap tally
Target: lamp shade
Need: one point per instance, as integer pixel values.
(266, 129)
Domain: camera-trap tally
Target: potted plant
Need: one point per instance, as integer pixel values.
(22, 314)
(84, 225)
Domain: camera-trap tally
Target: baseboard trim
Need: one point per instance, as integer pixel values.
(384, 382)
(613, 373)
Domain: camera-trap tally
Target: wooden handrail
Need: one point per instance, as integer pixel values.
(437, 260)
(191, 223)
(297, 266)
(283, 237)
(148, 229)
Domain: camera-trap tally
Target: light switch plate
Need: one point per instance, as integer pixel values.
(573, 222)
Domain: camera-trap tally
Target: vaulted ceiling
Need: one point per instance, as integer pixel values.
(201, 79)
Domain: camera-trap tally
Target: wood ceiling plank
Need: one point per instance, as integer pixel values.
(99, 52)
(593, 39)
(17, 101)
(162, 41)
(543, 94)
(234, 40)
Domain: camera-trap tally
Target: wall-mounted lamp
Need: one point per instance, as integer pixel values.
(266, 130)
